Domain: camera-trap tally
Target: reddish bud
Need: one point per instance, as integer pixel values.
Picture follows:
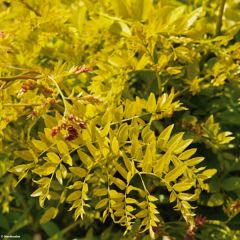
(54, 131)
(71, 117)
(156, 229)
(63, 126)
(200, 220)
(24, 88)
(82, 69)
(34, 113)
(52, 101)
(82, 124)
(190, 234)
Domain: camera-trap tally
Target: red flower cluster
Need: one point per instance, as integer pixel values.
(232, 208)
(71, 124)
(77, 121)
(72, 134)
(199, 221)
(38, 110)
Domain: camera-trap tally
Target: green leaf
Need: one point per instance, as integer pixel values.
(216, 199)
(151, 198)
(74, 196)
(50, 229)
(49, 214)
(175, 173)
(93, 150)
(187, 196)
(80, 172)
(194, 161)
(174, 141)
(119, 28)
(147, 160)
(187, 154)
(190, 19)
(173, 196)
(45, 170)
(63, 171)
(164, 136)
(182, 146)
(62, 147)
(53, 158)
(25, 154)
(162, 163)
(142, 214)
(123, 133)
(120, 8)
(231, 184)
(105, 130)
(131, 201)
(116, 195)
(43, 181)
(67, 159)
(102, 203)
(120, 169)
(87, 160)
(115, 146)
(151, 103)
(119, 183)
(59, 176)
(50, 121)
(100, 192)
(209, 172)
(39, 145)
(127, 162)
(21, 168)
(174, 70)
(37, 192)
(182, 186)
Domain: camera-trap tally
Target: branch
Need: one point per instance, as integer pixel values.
(220, 16)
(20, 105)
(67, 229)
(61, 94)
(18, 77)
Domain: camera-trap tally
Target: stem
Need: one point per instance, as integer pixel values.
(30, 8)
(18, 77)
(61, 94)
(180, 93)
(66, 229)
(159, 82)
(20, 105)
(131, 118)
(1, 88)
(144, 186)
(220, 16)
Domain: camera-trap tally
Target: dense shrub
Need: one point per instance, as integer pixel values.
(120, 112)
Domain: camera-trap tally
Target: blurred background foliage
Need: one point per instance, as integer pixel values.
(133, 48)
